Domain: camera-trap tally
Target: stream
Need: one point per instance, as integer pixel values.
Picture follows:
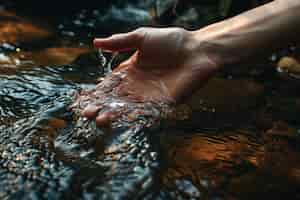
(236, 138)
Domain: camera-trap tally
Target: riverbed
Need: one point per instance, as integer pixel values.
(236, 138)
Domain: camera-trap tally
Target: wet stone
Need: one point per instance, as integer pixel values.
(289, 65)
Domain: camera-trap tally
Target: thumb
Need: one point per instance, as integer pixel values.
(120, 42)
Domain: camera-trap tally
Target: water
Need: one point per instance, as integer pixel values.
(237, 138)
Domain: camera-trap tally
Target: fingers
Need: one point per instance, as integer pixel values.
(121, 42)
(104, 120)
(91, 111)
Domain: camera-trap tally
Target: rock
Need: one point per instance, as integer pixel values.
(208, 159)
(289, 64)
(112, 19)
(15, 29)
(55, 56)
(217, 100)
(188, 14)
(281, 152)
(281, 129)
(8, 64)
(213, 157)
(124, 16)
(194, 149)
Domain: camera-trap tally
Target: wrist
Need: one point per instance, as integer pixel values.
(205, 47)
(252, 33)
(222, 43)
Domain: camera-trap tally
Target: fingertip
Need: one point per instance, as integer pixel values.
(90, 111)
(98, 42)
(105, 44)
(119, 42)
(103, 120)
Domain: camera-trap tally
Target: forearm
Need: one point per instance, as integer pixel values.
(259, 30)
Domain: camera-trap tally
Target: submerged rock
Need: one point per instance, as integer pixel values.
(208, 160)
(15, 29)
(223, 163)
(219, 99)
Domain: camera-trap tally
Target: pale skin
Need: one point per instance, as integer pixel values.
(171, 63)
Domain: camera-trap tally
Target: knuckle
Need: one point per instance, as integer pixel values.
(116, 35)
(142, 29)
(140, 33)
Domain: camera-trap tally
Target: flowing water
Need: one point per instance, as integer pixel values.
(237, 138)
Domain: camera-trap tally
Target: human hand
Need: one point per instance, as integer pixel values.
(168, 65)
(169, 62)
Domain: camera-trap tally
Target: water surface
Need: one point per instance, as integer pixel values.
(237, 138)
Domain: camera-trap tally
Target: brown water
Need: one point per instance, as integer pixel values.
(237, 138)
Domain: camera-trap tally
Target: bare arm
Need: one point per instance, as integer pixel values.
(260, 30)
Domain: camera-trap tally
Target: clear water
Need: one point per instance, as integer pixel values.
(237, 138)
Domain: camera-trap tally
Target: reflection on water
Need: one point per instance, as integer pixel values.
(236, 138)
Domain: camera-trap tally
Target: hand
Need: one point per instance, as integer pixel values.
(168, 65)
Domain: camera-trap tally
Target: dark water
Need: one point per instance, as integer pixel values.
(237, 138)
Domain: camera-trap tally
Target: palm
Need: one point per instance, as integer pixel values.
(161, 71)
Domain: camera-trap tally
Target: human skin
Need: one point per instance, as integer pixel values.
(171, 63)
